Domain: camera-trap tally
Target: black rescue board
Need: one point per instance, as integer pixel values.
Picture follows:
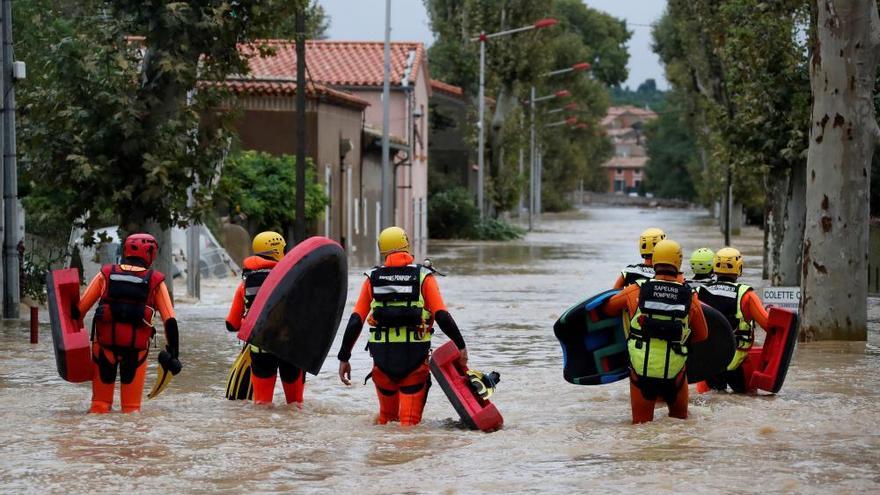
(711, 356)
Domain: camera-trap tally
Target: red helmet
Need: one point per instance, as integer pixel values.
(142, 246)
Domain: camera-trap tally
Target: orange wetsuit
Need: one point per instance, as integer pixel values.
(400, 397)
(752, 312)
(265, 366)
(644, 391)
(131, 361)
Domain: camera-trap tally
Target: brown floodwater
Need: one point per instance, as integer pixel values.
(818, 435)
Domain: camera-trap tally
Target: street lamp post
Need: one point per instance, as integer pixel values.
(534, 175)
(482, 38)
(534, 183)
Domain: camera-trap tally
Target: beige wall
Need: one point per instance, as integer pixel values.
(269, 124)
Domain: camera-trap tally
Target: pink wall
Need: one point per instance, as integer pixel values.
(412, 182)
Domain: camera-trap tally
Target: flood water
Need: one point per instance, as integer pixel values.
(818, 435)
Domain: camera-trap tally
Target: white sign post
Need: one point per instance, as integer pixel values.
(782, 297)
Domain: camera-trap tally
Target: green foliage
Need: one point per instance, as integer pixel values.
(646, 95)
(35, 266)
(517, 62)
(672, 155)
(121, 126)
(452, 214)
(604, 37)
(741, 69)
(262, 187)
(317, 24)
(493, 229)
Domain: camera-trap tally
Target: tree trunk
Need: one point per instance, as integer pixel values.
(787, 272)
(163, 261)
(503, 105)
(784, 225)
(774, 227)
(843, 133)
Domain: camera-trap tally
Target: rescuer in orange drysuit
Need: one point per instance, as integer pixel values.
(265, 367)
(742, 308)
(401, 301)
(661, 317)
(128, 295)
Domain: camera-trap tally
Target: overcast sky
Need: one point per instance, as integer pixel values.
(365, 20)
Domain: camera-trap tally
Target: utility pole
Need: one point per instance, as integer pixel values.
(532, 158)
(193, 254)
(728, 215)
(11, 297)
(387, 179)
(299, 226)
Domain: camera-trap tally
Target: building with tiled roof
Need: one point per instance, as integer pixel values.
(624, 127)
(350, 74)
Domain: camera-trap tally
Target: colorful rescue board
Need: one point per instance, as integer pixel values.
(73, 355)
(766, 366)
(477, 413)
(298, 308)
(594, 348)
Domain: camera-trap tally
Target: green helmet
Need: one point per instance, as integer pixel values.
(701, 261)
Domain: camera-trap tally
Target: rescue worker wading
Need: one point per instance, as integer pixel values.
(701, 264)
(644, 270)
(742, 308)
(663, 317)
(268, 250)
(128, 295)
(401, 301)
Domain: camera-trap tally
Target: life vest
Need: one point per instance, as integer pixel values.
(633, 273)
(696, 283)
(727, 297)
(125, 311)
(400, 337)
(658, 331)
(255, 271)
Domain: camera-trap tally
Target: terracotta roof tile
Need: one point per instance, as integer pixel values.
(626, 162)
(446, 88)
(280, 87)
(340, 63)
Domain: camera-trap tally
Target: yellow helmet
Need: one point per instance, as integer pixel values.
(728, 261)
(701, 261)
(667, 252)
(269, 244)
(393, 240)
(648, 240)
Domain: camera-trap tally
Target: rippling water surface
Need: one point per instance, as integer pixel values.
(819, 435)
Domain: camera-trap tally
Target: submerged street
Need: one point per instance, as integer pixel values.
(818, 435)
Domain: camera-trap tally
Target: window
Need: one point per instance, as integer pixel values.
(619, 171)
(618, 185)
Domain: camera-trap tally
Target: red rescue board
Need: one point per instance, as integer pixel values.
(476, 412)
(73, 354)
(766, 366)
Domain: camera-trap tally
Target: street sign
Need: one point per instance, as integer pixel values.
(782, 297)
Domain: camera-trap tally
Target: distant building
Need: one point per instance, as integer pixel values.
(624, 127)
(355, 68)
